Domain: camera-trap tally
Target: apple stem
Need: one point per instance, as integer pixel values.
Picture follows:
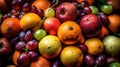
(57, 1)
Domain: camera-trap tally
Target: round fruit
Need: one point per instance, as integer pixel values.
(49, 12)
(15, 56)
(114, 64)
(114, 25)
(71, 56)
(112, 45)
(107, 9)
(30, 21)
(50, 46)
(41, 4)
(94, 9)
(95, 46)
(69, 32)
(10, 27)
(39, 34)
(89, 1)
(40, 62)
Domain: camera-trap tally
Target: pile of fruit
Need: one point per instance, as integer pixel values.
(59, 33)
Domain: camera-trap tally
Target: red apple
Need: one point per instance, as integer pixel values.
(90, 25)
(66, 11)
(52, 24)
(5, 47)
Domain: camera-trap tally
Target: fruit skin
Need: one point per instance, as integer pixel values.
(71, 56)
(114, 64)
(49, 12)
(112, 45)
(90, 25)
(70, 33)
(10, 27)
(5, 46)
(107, 9)
(39, 34)
(66, 12)
(94, 9)
(52, 24)
(50, 46)
(114, 25)
(30, 21)
(95, 46)
(41, 4)
(115, 4)
(89, 1)
(40, 62)
(3, 6)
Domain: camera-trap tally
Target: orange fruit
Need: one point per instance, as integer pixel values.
(15, 57)
(10, 66)
(71, 56)
(41, 62)
(95, 46)
(114, 25)
(104, 32)
(70, 33)
(10, 27)
(89, 1)
(30, 21)
(41, 4)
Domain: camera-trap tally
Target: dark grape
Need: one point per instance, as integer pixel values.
(57, 63)
(40, 13)
(84, 3)
(14, 40)
(22, 35)
(15, 5)
(26, 7)
(21, 15)
(33, 55)
(83, 48)
(20, 46)
(111, 59)
(20, 2)
(33, 9)
(28, 36)
(89, 59)
(23, 59)
(87, 10)
(100, 60)
(104, 19)
(32, 45)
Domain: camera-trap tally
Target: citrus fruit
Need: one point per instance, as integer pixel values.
(112, 45)
(89, 1)
(69, 32)
(95, 46)
(41, 4)
(41, 62)
(10, 27)
(30, 21)
(114, 25)
(71, 56)
(15, 56)
(50, 46)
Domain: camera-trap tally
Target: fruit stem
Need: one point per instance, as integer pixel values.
(57, 1)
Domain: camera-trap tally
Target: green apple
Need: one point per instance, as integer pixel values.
(39, 34)
(49, 12)
(112, 45)
(94, 9)
(106, 8)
